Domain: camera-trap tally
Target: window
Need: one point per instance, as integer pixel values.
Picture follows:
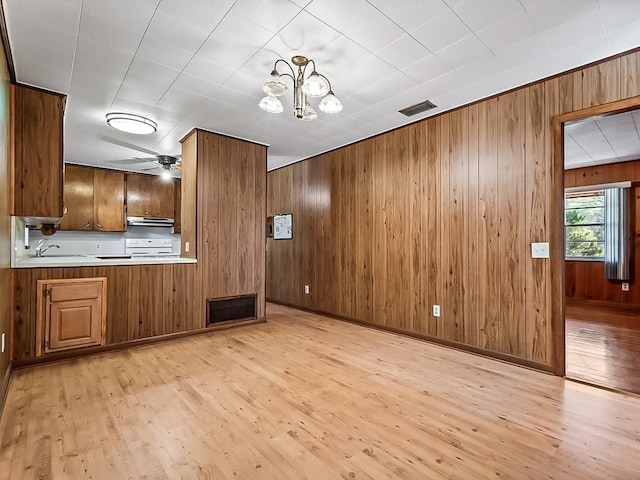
(584, 225)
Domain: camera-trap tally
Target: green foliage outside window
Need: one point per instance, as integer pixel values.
(584, 225)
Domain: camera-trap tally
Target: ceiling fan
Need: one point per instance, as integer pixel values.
(165, 165)
(158, 163)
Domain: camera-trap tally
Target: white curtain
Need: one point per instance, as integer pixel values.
(617, 232)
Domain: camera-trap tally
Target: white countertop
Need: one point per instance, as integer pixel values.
(92, 261)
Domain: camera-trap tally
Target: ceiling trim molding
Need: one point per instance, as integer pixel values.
(6, 45)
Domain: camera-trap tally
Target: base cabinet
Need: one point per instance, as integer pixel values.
(71, 314)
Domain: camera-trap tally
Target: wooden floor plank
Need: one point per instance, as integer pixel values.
(309, 397)
(603, 346)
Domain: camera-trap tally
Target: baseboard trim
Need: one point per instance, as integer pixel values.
(97, 350)
(504, 357)
(6, 382)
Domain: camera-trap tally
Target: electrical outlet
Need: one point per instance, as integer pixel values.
(436, 310)
(540, 250)
(97, 246)
(306, 289)
(186, 247)
(625, 286)
(3, 343)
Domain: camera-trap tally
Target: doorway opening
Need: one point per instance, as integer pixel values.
(600, 155)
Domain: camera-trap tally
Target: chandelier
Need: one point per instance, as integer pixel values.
(314, 85)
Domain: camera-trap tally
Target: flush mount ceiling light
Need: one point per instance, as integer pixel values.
(130, 123)
(314, 85)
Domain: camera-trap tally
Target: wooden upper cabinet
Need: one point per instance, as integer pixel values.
(108, 201)
(178, 206)
(37, 167)
(149, 196)
(94, 200)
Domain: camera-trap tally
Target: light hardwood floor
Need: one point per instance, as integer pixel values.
(308, 397)
(603, 346)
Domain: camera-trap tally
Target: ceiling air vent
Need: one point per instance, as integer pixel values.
(417, 108)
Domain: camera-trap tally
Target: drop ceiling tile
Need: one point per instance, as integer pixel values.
(427, 69)
(44, 55)
(161, 52)
(210, 71)
(619, 13)
(479, 15)
(362, 73)
(141, 90)
(101, 61)
(338, 59)
(481, 68)
(126, 14)
(53, 13)
(271, 15)
(170, 30)
(201, 15)
(358, 20)
(384, 88)
(625, 38)
(180, 101)
(111, 34)
(147, 70)
(196, 85)
(576, 30)
(515, 27)
(41, 33)
(525, 51)
(403, 52)
(413, 12)
(225, 47)
(444, 30)
(540, 11)
(467, 50)
(43, 75)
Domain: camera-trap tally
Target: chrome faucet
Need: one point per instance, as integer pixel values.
(41, 251)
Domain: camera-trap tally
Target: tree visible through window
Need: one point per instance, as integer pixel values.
(584, 225)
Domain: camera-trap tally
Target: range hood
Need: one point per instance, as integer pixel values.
(149, 222)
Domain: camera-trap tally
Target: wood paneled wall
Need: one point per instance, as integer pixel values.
(585, 281)
(5, 218)
(149, 300)
(443, 212)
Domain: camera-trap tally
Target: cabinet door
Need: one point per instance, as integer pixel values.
(73, 312)
(108, 200)
(37, 145)
(78, 198)
(149, 196)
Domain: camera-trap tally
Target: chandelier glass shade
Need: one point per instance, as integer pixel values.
(304, 86)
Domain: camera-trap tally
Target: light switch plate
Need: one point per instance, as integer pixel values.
(540, 250)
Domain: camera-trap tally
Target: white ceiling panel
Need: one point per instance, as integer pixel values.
(186, 63)
(479, 15)
(412, 13)
(403, 52)
(515, 27)
(442, 31)
(466, 51)
(358, 20)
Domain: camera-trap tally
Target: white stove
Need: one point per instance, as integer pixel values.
(150, 247)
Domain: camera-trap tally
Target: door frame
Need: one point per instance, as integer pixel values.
(557, 219)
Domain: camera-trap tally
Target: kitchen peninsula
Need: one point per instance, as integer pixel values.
(219, 253)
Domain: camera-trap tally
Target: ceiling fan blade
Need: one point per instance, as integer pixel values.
(134, 160)
(130, 146)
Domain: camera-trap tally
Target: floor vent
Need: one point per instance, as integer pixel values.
(241, 307)
(417, 108)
